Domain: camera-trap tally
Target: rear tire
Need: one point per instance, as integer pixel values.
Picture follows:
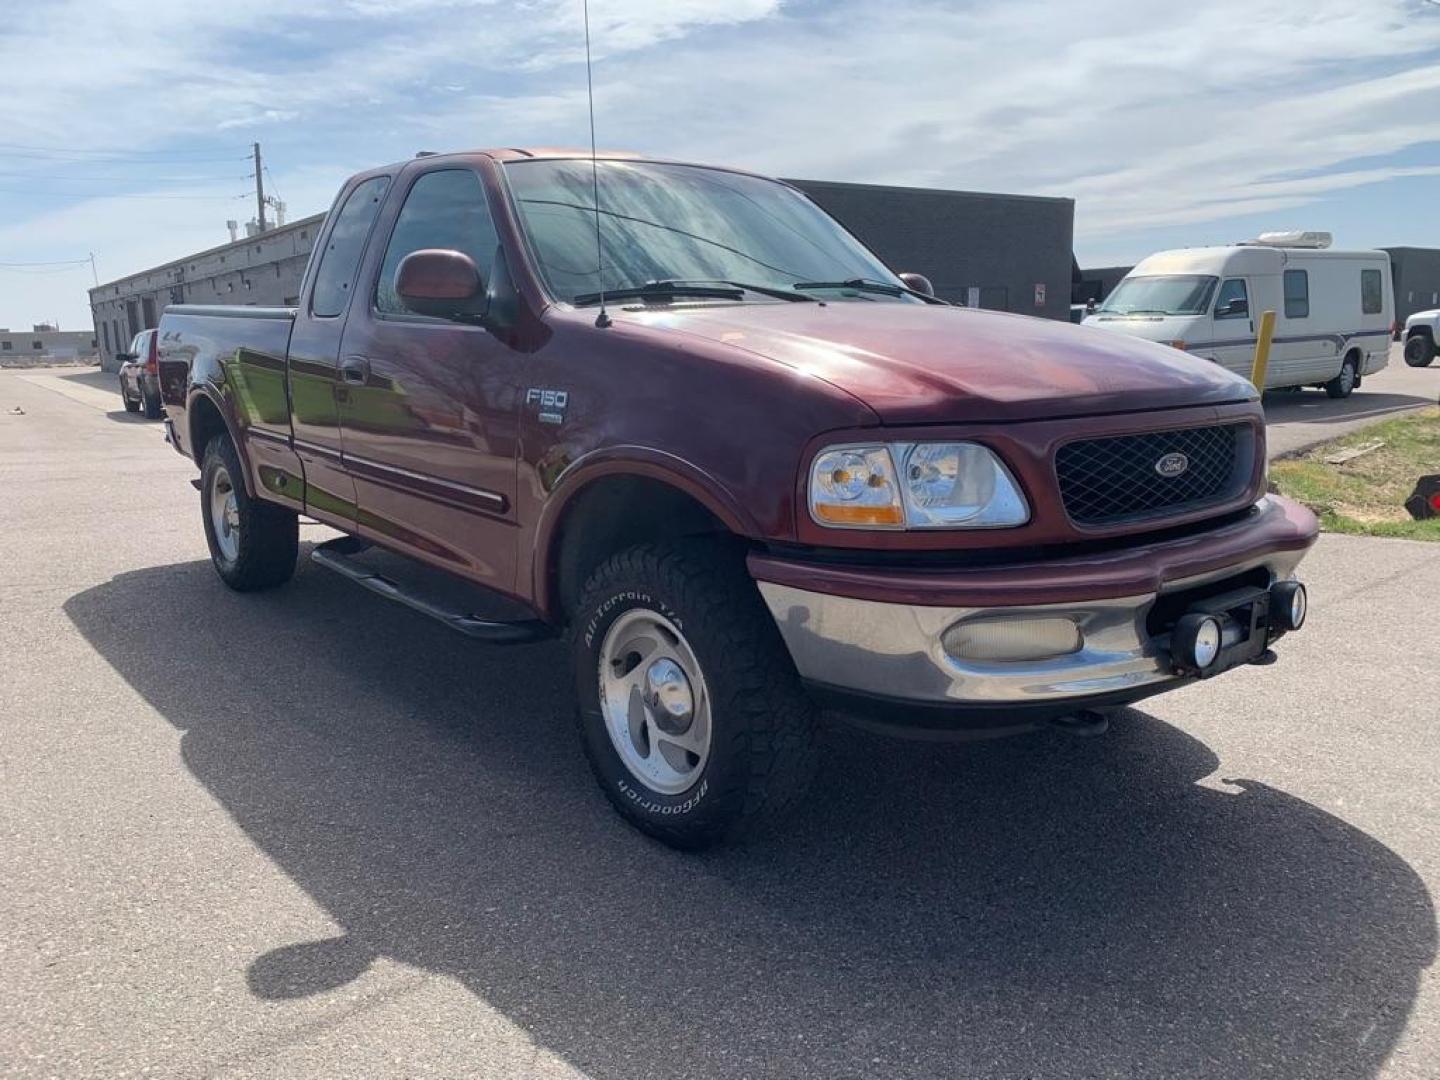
(1419, 350)
(130, 405)
(1343, 384)
(253, 544)
(153, 408)
(681, 626)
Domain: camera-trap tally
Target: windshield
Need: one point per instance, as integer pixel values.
(1173, 294)
(682, 223)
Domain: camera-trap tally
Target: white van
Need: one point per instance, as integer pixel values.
(1333, 309)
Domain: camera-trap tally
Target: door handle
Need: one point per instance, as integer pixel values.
(355, 369)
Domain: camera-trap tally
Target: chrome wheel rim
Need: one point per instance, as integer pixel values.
(654, 701)
(225, 514)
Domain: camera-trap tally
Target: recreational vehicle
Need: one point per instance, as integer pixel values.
(1333, 309)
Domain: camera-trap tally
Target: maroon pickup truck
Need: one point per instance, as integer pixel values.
(747, 470)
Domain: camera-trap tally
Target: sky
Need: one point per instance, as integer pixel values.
(125, 125)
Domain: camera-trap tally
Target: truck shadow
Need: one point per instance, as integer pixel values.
(1036, 907)
(1314, 407)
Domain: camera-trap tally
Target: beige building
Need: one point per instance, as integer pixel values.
(43, 344)
(262, 270)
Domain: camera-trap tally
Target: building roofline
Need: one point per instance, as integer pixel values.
(227, 246)
(848, 186)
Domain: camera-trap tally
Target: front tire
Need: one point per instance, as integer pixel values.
(1343, 384)
(1419, 351)
(253, 544)
(690, 710)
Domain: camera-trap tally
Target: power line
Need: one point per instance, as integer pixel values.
(124, 179)
(93, 151)
(121, 195)
(52, 262)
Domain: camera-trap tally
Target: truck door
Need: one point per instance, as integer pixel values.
(428, 405)
(314, 356)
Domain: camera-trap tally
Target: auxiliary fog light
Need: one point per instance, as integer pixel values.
(1196, 640)
(1014, 639)
(1288, 605)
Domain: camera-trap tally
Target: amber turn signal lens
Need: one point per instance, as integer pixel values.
(843, 514)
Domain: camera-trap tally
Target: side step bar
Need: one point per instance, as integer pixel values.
(339, 555)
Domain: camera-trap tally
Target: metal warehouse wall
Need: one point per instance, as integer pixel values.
(262, 270)
(1417, 279)
(1006, 252)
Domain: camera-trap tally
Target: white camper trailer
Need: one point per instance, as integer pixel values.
(1333, 309)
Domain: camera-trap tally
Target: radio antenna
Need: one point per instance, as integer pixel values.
(602, 320)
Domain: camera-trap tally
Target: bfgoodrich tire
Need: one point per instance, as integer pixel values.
(253, 544)
(690, 710)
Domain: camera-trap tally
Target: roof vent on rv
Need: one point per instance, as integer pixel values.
(1294, 238)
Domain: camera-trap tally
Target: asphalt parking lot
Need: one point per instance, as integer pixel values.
(1301, 418)
(306, 833)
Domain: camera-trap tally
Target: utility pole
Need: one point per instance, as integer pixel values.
(93, 272)
(259, 190)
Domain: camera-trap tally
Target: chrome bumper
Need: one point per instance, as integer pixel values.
(896, 652)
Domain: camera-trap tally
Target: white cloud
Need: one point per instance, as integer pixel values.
(1148, 115)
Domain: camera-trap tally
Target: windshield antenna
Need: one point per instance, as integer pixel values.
(602, 320)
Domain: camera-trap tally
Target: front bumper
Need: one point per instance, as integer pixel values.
(877, 635)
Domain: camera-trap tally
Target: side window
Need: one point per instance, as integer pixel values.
(445, 209)
(1233, 302)
(1371, 302)
(1297, 294)
(341, 257)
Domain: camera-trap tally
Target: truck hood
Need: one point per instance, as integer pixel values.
(915, 364)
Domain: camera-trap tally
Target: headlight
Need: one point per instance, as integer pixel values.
(939, 486)
(854, 487)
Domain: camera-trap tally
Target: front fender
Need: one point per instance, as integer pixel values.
(636, 461)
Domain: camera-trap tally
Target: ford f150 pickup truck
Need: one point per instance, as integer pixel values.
(683, 417)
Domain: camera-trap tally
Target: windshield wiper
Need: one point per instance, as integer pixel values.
(868, 285)
(749, 286)
(1132, 311)
(711, 288)
(662, 290)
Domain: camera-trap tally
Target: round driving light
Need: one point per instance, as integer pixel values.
(1195, 642)
(1289, 605)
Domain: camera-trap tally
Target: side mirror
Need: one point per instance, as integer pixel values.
(919, 282)
(439, 282)
(125, 357)
(1235, 307)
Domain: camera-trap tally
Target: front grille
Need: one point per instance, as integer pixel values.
(1105, 481)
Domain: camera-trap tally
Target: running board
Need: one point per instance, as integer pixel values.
(431, 592)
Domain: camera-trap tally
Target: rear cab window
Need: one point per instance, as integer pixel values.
(340, 261)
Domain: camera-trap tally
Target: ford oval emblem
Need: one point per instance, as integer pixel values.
(1172, 464)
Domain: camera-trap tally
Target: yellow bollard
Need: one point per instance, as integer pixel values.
(1262, 350)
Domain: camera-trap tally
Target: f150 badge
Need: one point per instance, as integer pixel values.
(551, 403)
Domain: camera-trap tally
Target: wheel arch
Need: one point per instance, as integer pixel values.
(205, 418)
(605, 504)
